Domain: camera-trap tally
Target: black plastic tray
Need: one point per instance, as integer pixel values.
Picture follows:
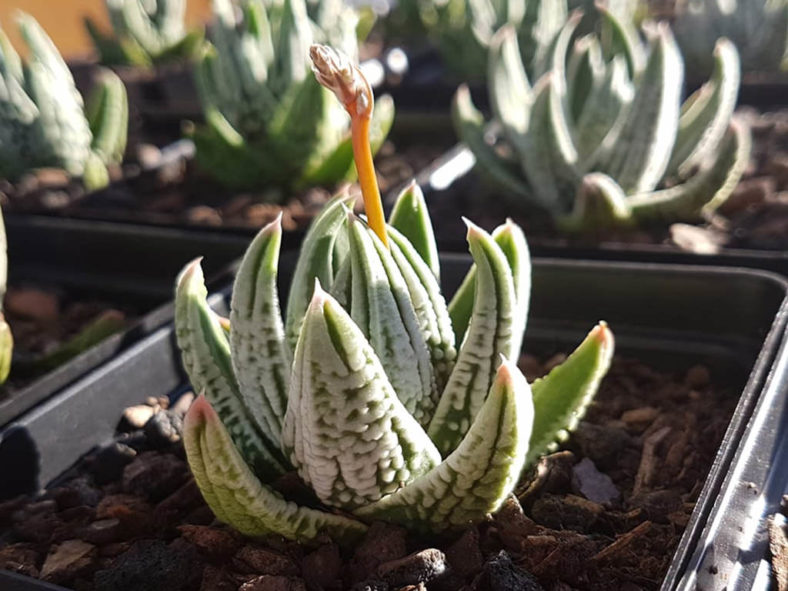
(671, 316)
(456, 167)
(128, 265)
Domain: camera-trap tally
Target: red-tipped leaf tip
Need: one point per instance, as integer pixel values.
(602, 333)
(199, 413)
(193, 268)
(319, 296)
(474, 231)
(274, 225)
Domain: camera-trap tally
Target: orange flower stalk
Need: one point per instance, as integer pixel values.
(336, 72)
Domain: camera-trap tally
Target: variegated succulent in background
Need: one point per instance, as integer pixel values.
(758, 28)
(268, 122)
(602, 139)
(42, 120)
(463, 30)
(389, 403)
(145, 33)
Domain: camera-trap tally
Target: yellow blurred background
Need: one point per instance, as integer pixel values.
(62, 20)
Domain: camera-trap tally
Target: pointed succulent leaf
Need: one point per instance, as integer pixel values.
(704, 122)
(469, 123)
(316, 261)
(547, 153)
(346, 432)
(562, 396)
(543, 21)
(510, 91)
(260, 356)
(107, 111)
(489, 336)
(706, 190)
(512, 241)
(640, 151)
(205, 352)
(238, 498)
(429, 305)
(585, 72)
(295, 37)
(411, 218)
(601, 110)
(478, 476)
(600, 204)
(382, 308)
(619, 36)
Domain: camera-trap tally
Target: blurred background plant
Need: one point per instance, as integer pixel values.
(602, 139)
(145, 33)
(268, 121)
(42, 119)
(758, 28)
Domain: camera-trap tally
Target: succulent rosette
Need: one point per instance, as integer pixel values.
(389, 403)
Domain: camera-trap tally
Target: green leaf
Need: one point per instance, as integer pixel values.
(704, 122)
(206, 357)
(429, 305)
(411, 217)
(316, 261)
(600, 204)
(107, 112)
(547, 152)
(706, 190)
(511, 239)
(488, 337)
(382, 308)
(510, 91)
(346, 432)
(478, 476)
(640, 151)
(601, 112)
(562, 396)
(469, 123)
(260, 356)
(239, 499)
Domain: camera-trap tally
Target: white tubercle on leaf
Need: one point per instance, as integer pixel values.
(345, 430)
(476, 478)
(205, 352)
(384, 311)
(238, 498)
(260, 355)
(489, 335)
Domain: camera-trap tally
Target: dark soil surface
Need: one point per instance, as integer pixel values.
(605, 512)
(754, 217)
(180, 194)
(42, 321)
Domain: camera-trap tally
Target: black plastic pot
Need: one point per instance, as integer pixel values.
(732, 320)
(453, 174)
(127, 265)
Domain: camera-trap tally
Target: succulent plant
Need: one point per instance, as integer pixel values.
(602, 139)
(145, 33)
(42, 121)
(758, 28)
(268, 122)
(388, 403)
(464, 29)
